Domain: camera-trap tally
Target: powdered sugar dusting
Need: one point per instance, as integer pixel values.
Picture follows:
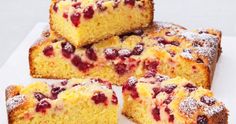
(211, 110)
(14, 102)
(188, 106)
(186, 54)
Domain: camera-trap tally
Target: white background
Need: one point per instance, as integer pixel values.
(17, 17)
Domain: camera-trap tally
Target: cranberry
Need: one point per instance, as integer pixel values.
(88, 12)
(90, 53)
(114, 99)
(100, 5)
(130, 2)
(130, 86)
(121, 68)
(124, 53)
(151, 65)
(55, 8)
(55, 91)
(168, 100)
(156, 114)
(67, 49)
(83, 66)
(64, 83)
(99, 98)
(190, 87)
(77, 5)
(171, 118)
(116, 3)
(108, 84)
(199, 60)
(156, 91)
(175, 43)
(167, 110)
(65, 15)
(75, 19)
(207, 100)
(202, 119)
(165, 42)
(138, 49)
(48, 51)
(169, 89)
(39, 96)
(42, 106)
(74, 85)
(150, 74)
(110, 53)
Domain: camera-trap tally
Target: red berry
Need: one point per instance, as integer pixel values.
(199, 60)
(130, 2)
(90, 53)
(75, 19)
(202, 119)
(121, 68)
(88, 12)
(131, 86)
(110, 53)
(208, 100)
(55, 91)
(65, 15)
(48, 51)
(64, 83)
(39, 96)
(67, 49)
(169, 89)
(100, 5)
(156, 114)
(156, 91)
(138, 49)
(151, 65)
(55, 8)
(99, 98)
(114, 99)
(190, 87)
(171, 118)
(77, 5)
(42, 106)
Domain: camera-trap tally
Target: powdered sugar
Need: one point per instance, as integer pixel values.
(14, 102)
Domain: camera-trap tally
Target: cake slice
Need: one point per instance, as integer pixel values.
(75, 101)
(83, 22)
(163, 47)
(161, 100)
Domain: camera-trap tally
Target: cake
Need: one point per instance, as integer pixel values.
(87, 101)
(86, 21)
(161, 100)
(165, 48)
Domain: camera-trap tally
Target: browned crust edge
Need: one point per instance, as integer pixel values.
(108, 36)
(219, 118)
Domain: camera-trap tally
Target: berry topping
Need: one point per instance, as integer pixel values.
(175, 43)
(151, 65)
(64, 83)
(99, 98)
(106, 83)
(168, 100)
(42, 106)
(199, 60)
(39, 96)
(88, 12)
(55, 91)
(208, 100)
(65, 15)
(55, 8)
(48, 51)
(167, 110)
(90, 53)
(121, 68)
(202, 119)
(150, 74)
(190, 87)
(169, 89)
(156, 114)
(130, 2)
(77, 5)
(67, 49)
(110, 53)
(75, 19)
(130, 86)
(156, 91)
(171, 118)
(82, 66)
(124, 53)
(165, 42)
(100, 5)
(114, 99)
(138, 49)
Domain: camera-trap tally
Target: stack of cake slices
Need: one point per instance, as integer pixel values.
(165, 70)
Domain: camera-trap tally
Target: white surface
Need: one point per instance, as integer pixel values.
(19, 16)
(16, 71)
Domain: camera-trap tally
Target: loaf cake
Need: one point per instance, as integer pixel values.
(74, 101)
(86, 21)
(161, 100)
(163, 47)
